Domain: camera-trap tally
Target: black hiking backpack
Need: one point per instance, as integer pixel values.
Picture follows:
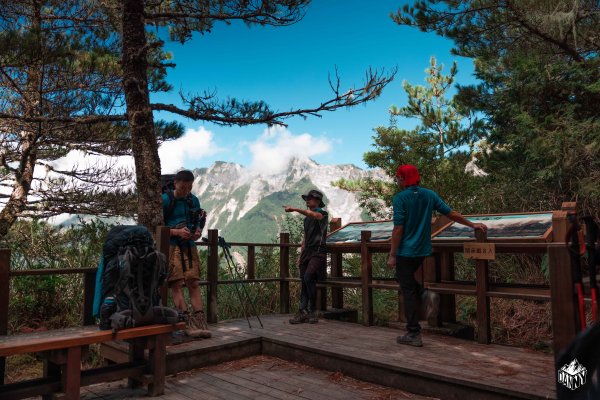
(131, 273)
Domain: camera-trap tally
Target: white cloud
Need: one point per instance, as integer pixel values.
(273, 150)
(82, 160)
(174, 155)
(194, 144)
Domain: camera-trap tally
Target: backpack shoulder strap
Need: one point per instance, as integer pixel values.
(171, 205)
(190, 201)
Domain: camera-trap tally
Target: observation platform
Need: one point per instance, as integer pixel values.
(444, 368)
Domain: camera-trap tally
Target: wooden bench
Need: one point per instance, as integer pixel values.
(61, 351)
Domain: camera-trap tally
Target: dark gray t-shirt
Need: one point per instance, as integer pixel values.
(315, 232)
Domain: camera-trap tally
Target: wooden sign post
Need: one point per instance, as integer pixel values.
(484, 331)
(479, 251)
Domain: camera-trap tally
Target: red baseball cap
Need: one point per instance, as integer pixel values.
(409, 174)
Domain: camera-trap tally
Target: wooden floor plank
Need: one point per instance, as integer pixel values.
(201, 387)
(292, 388)
(238, 378)
(222, 382)
(188, 391)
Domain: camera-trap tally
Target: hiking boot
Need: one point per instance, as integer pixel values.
(432, 307)
(196, 326)
(410, 339)
(201, 317)
(300, 317)
(313, 317)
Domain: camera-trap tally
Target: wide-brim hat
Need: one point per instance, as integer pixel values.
(316, 195)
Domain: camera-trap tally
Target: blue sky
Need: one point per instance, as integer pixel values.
(288, 68)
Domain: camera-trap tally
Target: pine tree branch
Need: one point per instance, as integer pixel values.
(522, 21)
(232, 112)
(91, 119)
(263, 18)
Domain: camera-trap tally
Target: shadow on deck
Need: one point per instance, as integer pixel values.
(445, 367)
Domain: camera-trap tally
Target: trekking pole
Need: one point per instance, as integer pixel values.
(591, 229)
(233, 266)
(224, 245)
(576, 250)
(244, 288)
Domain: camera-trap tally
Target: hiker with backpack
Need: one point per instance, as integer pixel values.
(411, 243)
(313, 257)
(182, 213)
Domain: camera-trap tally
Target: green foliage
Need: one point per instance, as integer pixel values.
(538, 66)
(51, 300)
(441, 146)
(466, 309)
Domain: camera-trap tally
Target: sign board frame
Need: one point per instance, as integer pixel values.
(374, 235)
(545, 237)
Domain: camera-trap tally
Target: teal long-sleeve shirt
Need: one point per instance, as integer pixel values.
(180, 215)
(413, 208)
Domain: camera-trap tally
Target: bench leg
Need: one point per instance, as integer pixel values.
(51, 370)
(157, 362)
(71, 374)
(136, 353)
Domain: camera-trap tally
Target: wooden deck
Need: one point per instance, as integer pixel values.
(445, 367)
(257, 377)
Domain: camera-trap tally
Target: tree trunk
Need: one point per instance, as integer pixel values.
(23, 178)
(30, 133)
(139, 114)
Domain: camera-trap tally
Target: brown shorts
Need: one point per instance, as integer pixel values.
(178, 272)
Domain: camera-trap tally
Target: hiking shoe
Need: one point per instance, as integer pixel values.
(201, 319)
(196, 326)
(432, 307)
(411, 340)
(313, 317)
(300, 317)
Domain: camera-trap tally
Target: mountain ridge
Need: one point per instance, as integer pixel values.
(247, 206)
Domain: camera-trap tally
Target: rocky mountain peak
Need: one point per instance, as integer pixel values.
(243, 204)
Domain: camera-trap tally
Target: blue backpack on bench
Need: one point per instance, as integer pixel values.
(129, 276)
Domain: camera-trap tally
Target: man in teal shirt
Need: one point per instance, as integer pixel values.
(181, 211)
(411, 243)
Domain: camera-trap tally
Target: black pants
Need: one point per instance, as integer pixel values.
(313, 267)
(412, 291)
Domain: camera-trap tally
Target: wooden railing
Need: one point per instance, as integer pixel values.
(438, 274)
(212, 271)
